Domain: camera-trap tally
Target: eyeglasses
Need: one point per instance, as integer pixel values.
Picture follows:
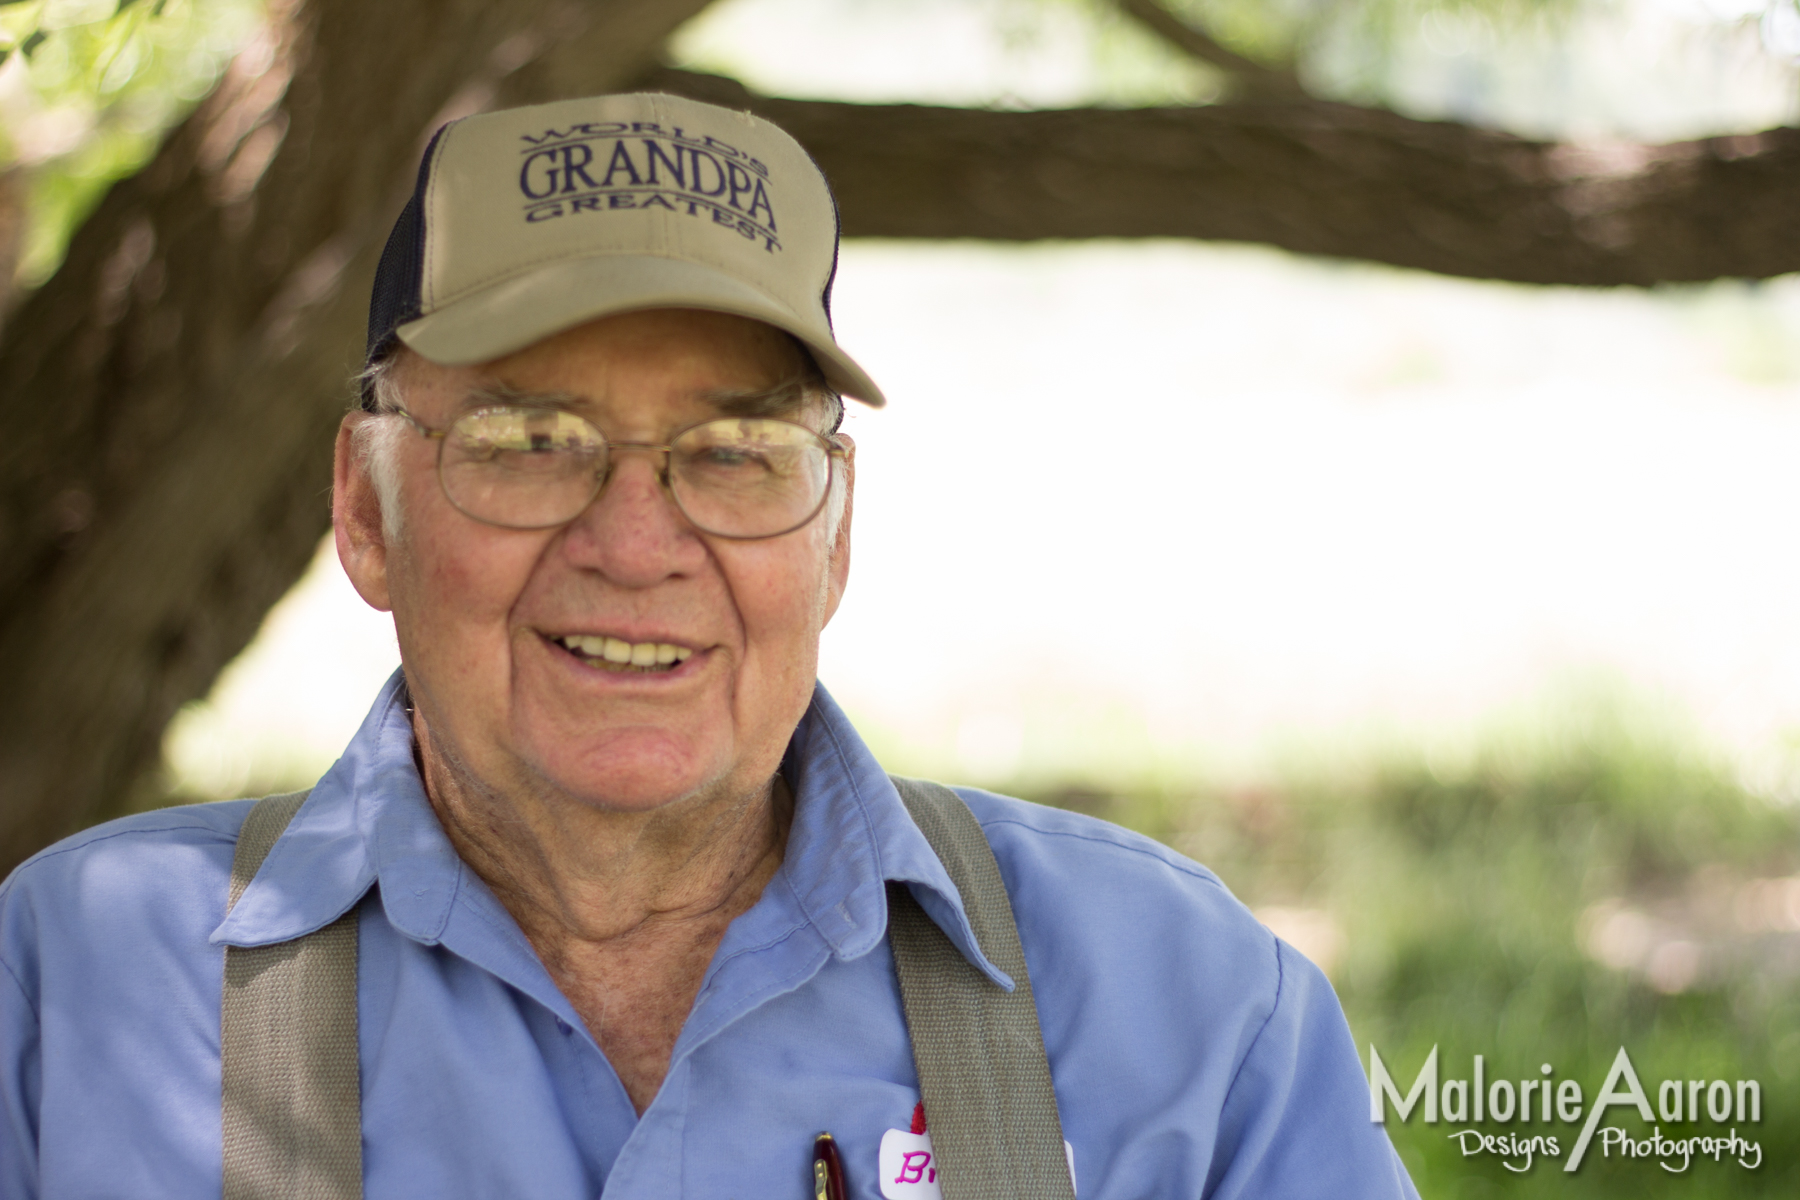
(537, 468)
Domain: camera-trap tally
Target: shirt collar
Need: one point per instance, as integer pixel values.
(851, 834)
(368, 818)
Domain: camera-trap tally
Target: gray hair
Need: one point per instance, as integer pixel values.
(377, 438)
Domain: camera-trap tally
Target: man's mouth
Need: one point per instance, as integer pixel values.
(616, 654)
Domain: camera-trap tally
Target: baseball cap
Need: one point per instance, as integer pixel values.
(529, 221)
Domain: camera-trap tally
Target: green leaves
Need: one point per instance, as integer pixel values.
(107, 24)
(103, 80)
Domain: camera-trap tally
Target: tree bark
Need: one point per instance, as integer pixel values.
(169, 397)
(1309, 176)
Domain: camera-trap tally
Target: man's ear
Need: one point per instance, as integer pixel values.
(356, 518)
(839, 565)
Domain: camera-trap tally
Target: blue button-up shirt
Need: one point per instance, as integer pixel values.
(1193, 1053)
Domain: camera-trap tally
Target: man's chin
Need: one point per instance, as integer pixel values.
(631, 771)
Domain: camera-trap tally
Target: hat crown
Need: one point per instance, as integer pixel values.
(528, 221)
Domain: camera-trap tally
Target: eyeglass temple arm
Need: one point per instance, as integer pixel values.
(424, 429)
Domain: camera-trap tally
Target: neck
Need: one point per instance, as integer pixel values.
(574, 873)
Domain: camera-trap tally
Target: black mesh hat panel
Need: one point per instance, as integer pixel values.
(837, 238)
(398, 277)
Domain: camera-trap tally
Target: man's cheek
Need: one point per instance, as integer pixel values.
(468, 585)
(783, 625)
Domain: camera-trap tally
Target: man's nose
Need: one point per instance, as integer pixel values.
(633, 532)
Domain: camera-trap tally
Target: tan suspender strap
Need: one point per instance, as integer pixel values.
(287, 1048)
(983, 1074)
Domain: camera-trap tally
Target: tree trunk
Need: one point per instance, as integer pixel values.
(1308, 176)
(170, 396)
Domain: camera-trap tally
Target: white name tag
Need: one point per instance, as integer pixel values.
(909, 1168)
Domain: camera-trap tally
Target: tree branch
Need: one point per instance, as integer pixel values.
(1308, 176)
(1256, 81)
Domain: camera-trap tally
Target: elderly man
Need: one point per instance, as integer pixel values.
(615, 885)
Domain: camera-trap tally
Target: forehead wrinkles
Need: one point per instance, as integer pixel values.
(784, 398)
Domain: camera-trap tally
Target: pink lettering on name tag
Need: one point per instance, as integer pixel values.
(909, 1168)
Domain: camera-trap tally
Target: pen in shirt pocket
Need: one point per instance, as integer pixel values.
(828, 1170)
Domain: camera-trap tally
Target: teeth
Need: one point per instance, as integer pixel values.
(622, 653)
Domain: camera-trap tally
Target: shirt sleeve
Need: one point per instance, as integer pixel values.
(21, 1070)
(1295, 1122)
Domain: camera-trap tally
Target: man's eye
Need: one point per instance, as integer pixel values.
(508, 438)
(733, 456)
(730, 459)
(484, 448)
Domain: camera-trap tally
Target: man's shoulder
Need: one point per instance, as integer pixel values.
(1095, 888)
(1020, 826)
(1039, 842)
(188, 824)
(1173, 1016)
(131, 861)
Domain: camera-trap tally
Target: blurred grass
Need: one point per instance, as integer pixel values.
(1459, 891)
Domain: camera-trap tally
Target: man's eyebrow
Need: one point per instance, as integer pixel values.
(782, 397)
(490, 395)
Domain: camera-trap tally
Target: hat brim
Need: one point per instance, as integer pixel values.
(510, 315)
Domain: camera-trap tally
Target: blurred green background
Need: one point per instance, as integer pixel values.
(1559, 889)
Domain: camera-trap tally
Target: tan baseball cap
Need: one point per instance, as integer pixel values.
(529, 221)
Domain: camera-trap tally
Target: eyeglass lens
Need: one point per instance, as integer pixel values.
(535, 468)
